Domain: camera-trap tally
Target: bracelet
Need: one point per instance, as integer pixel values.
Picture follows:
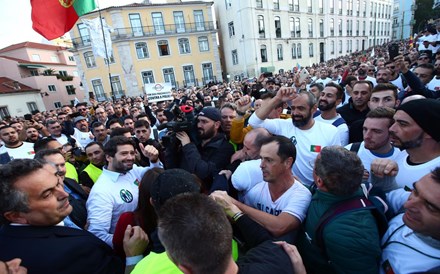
(237, 216)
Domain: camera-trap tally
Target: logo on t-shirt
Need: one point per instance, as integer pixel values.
(315, 148)
(126, 196)
(136, 182)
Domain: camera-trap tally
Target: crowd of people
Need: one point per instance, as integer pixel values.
(337, 171)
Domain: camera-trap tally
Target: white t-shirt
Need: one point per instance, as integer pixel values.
(367, 156)
(409, 174)
(400, 244)
(295, 201)
(342, 128)
(398, 82)
(247, 175)
(25, 151)
(113, 194)
(323, 81)
(308, 142)
(434, 84)
(84, 138)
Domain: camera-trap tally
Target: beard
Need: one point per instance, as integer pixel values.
(381, 81)
(327, 106)
(362, 72)
(208, 134)
(302, 121)
(122, 167)
(417, 142)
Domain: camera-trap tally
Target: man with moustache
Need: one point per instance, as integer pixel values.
(14, 148)
(116, 191)
(357, 106)
(95, 155)
(82, 132)
(328, 99)
(363, 74)
(309, 136)
(32, 135)
(207, 158)
(376, 140)
(416, 131)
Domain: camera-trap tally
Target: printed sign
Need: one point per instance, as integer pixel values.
(158, 92)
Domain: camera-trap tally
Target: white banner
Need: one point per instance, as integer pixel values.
(158, 92)
(97, 39)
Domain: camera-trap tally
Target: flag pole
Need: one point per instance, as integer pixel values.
(106, 54)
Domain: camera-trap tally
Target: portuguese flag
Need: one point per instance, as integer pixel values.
(53, 18)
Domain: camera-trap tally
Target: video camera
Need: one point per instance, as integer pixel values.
(183, 121)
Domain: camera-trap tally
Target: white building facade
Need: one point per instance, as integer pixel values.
(258, 36)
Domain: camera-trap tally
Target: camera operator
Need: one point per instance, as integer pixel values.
(207, 157)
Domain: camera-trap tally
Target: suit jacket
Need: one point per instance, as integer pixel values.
(79, 212)
(57, 249)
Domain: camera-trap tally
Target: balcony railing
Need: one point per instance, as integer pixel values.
(150, 31)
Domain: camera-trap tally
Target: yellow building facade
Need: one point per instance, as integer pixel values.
(172, 43)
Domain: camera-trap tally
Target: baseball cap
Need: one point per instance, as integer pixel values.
(78, 118)
(211, 113)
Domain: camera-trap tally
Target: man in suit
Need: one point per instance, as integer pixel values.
(33, 205)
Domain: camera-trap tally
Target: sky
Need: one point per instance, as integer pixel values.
(16, 24)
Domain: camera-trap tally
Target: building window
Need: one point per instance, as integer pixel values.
(62, 73)
(292, 26)
(299, 50)
(234, 57)
(261, 29)
(321, 6)
(159, 26)
(208, 75)
(89, 59)
(231, 29)
(277, 27)
(297, 27)
(179, 21)
(332, 47)
(71, 58)
(321, 28)
(54, 59)
(84, 34)
(276, 4)
(293, 49)
(296, 5)
(36, 57)
(147, 77)
(358, 7)
(263, 53)
(98, 89)
(364, 8)
(280, 52)
(184, 46)
(340, 7)
(259, 4)
(199, 20)
(4, 112)
(331, 5)
(340, 27)
(141, 50)
(340, 46)
(110, 60)
(188, 75)
(136, 24)
(52, 88)
(70, 90)
(290, 5)
(311, 50)
(309, 5)
(164, 50)
(57, 104)
(32, 106)
(168, 76)
(350, 7)
(332, 27)
(203, 44)
(118, 92)
(364, 26)
(228, 4)
(310, 27)
(357, 28)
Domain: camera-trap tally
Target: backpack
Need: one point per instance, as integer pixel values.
(375, 204)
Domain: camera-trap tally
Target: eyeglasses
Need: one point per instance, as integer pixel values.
(421, 58)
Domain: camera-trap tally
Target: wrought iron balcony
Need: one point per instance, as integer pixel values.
(149, 31)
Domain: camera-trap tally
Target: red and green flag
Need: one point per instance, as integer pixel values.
(315, 148)
(53, 18)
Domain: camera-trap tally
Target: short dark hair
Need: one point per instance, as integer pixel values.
(111, 147)
(5, 127)
(286, 148)
(427, 66)
(92, 144)
(382, 113)
(114, 121)
(127, 117)
(46, 152)
(141, 123)
(120, 131)
(339, 92)
(42, 143)
(10, 198)
(435, 174)
(97, 124)
(385, 86)
(364, 82)
(340, 170)
(192, 224)
(318, 85)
